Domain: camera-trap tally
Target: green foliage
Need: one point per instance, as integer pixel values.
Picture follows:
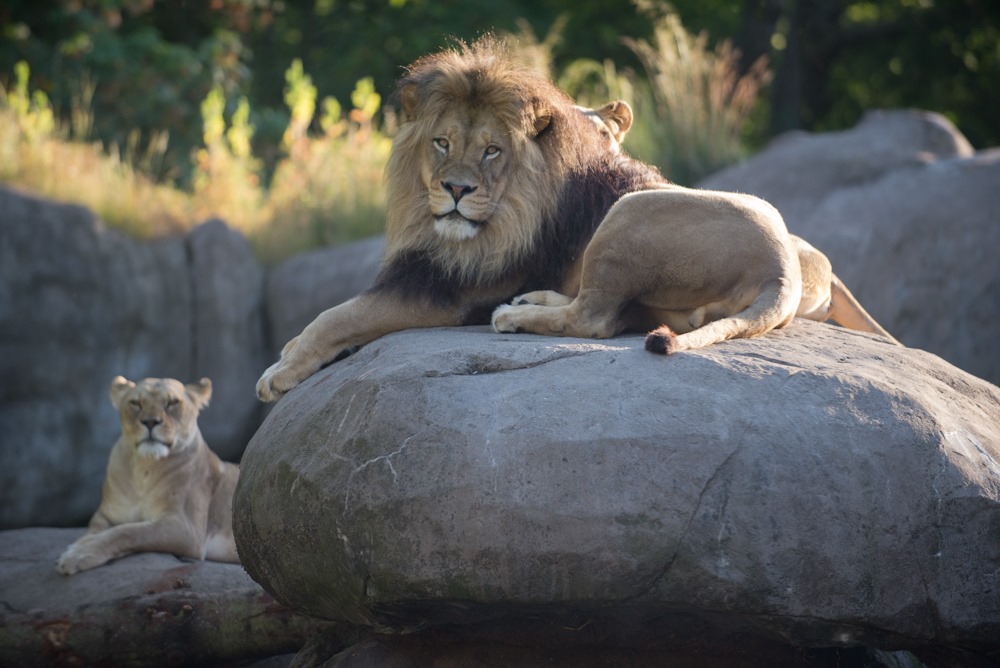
(36, 152)
(254, 139)
(326, 187)
(32, 110)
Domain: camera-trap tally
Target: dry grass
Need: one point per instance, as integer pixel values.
(327, 187)
(327, 184)
(700, 100)
(40, 155)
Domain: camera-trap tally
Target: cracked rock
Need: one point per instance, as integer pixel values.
(813, 488)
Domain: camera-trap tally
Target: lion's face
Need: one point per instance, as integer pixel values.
(159, 415)
(483, 154)
(465, 172)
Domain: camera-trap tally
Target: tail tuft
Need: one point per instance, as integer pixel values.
(662, 340)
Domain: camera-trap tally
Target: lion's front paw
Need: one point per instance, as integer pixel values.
(80, 556)
(276, 381)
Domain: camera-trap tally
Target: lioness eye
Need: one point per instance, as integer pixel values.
(172, 401)
(441, 144)
(491, 151)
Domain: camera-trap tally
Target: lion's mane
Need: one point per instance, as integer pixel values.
(561, 178)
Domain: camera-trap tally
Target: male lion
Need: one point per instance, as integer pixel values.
(824, 295)
(165, 490)
(497, 185)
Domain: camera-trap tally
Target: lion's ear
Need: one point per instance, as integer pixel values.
(542, 119)
(119, 386)
(409, 100)
(200, 392)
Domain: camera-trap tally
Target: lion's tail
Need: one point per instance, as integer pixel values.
(846, 310)
(774, 307)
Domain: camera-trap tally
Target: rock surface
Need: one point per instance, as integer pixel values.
(142, 610)
(815, 488)
(81, 304)
(901, 203)
(908, 214)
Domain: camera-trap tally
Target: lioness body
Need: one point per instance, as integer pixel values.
(498, 186)
(165, 490)
(824, 296)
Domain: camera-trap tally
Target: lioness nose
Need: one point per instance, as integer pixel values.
(151, 422)
(458, 190)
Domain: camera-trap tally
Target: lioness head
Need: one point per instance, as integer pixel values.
(612, 120)
(480, 160)
(159, 415)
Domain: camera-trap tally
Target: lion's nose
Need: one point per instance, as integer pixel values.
(458, 190)
(151, 422)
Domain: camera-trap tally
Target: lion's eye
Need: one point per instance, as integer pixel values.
(134, 403)
(172, 402)
(441, 144)
(491, 152)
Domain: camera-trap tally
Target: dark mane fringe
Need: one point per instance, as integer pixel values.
(586, 199)
(414, 275)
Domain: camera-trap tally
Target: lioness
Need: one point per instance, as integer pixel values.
(824, 295)
(498, 186)
(165, 490)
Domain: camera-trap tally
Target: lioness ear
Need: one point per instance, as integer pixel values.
(620, 113)
(200, 392)
(119, 386)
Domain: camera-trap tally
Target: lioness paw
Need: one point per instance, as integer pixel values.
(541, 298)
(78, 558)
(504, 319)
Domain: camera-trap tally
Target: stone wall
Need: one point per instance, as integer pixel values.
(906, 210)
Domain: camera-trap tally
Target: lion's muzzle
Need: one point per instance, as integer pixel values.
(458, 190)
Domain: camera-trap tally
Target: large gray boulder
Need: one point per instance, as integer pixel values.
(908, 214)
(144, 610)
(80, 304)
(812, 488)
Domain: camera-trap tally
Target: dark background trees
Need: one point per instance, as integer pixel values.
(149, 64)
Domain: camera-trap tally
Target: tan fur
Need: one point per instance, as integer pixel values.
(487, 153)
(824, 296)
(165, 490)
(658, 262)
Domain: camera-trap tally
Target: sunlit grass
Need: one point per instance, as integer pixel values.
(700, 101)
(326, 188)
(39, 155)
(691, 108)
(326, 185)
